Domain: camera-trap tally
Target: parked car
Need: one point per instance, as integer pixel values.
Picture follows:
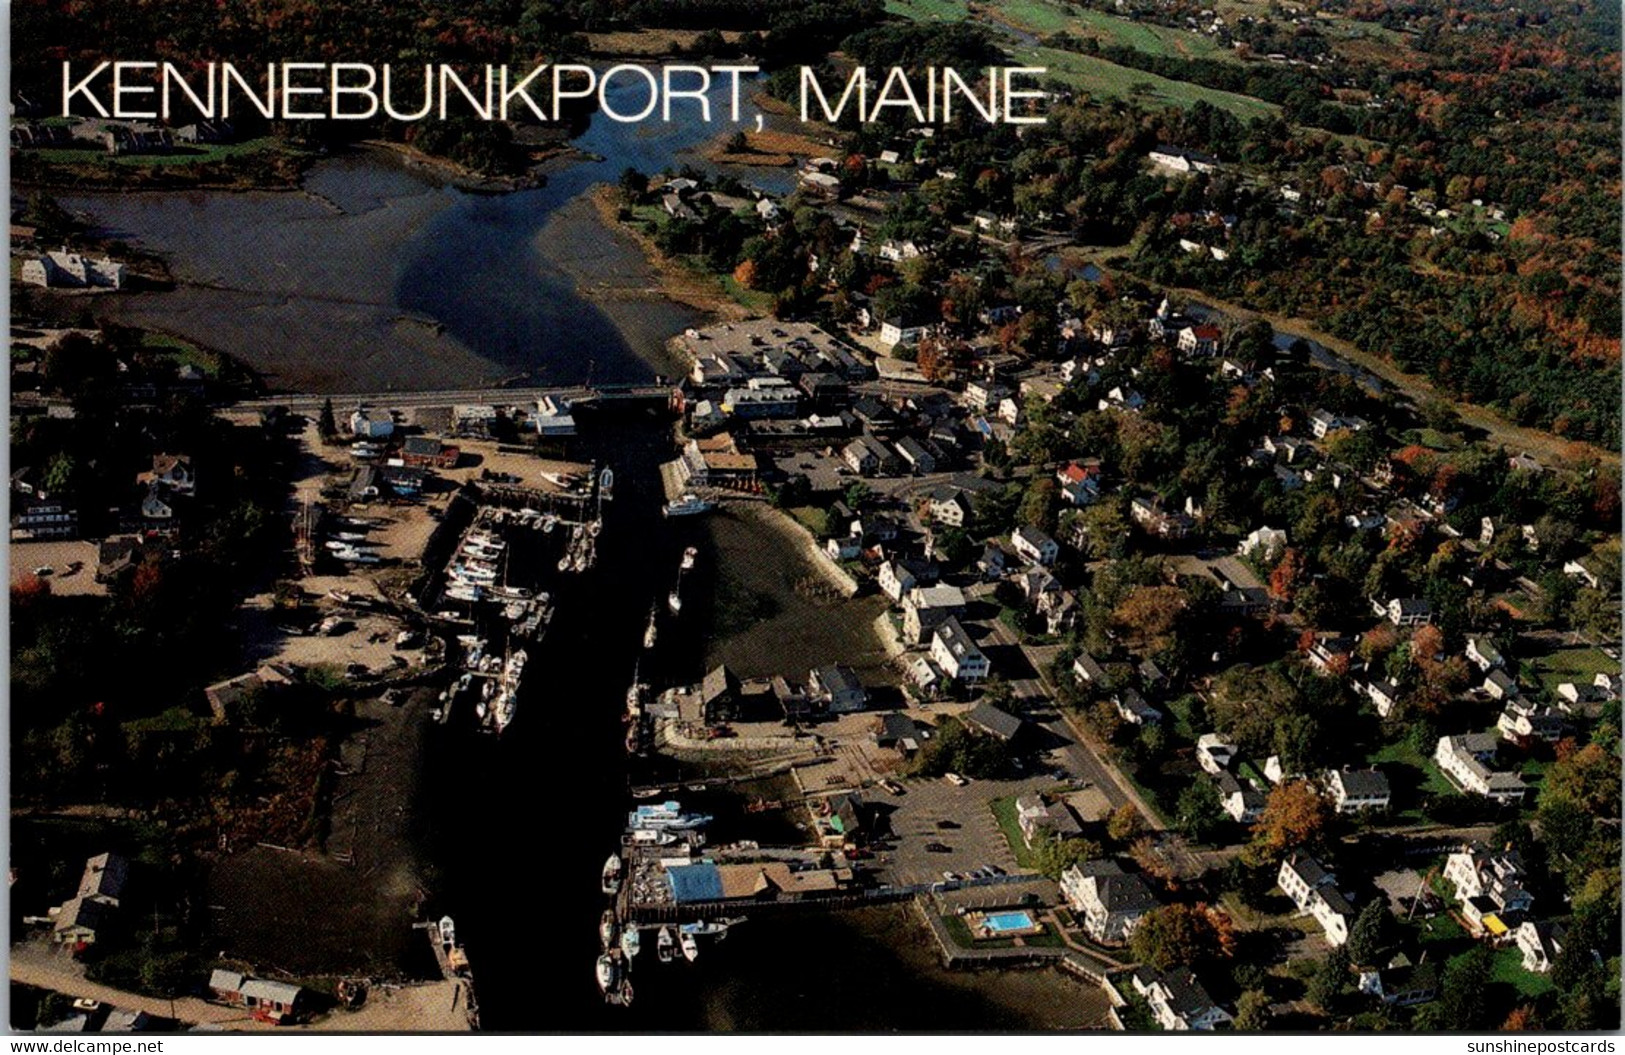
(937, 848)
(955, 779)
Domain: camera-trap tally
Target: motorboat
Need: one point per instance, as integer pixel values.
(674, 601)
(665, 945)
(607, 930)
(689, 556)
(607, 972)
(631, 941)
(688, 505)
(690, 947)
(612, 874)
(651, 631)
(448, 933)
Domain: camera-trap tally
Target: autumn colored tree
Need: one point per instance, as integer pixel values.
(1252, 1011)
(1296, 817)
(1149, 614)
(1180, 935)
(745, 274)
(1520, 1020)
(1124, 823)
(1589, 777)
(1288, 571)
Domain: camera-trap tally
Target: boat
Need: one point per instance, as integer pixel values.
(689, 556)
(607, 973)
(688, 505)
(448, 933)
(674, 601)
(631, 941)
(625, 992)
(707, 928)
(607, 929)
(665, 816)
(606, 484)
(634, 739)
(549, 522)
(691, 948)
(612, 874)
(665, 943)
(650, 632)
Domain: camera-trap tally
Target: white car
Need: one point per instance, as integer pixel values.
(955, 779)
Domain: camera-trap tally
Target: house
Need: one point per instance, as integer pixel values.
(950, 506)
(553, 417)
(843, 547)
(898, 330)
(927, 607)
(1409, 611)
(269, 1001)
(1036, 583)
(1039, 820)
(36, 517)
(1489, 885)
(1243, 802)
(1080, 484)
(78, 921)
(1524, 725)
(1180, 161)
(955, 654)
(992, 721)
(1330, 654)
(425, 452)
(838, 688)
(1122, 398)
(1177, 1000)
(867, 457)
(1110, 902)
(993, 562)
(1580, 570)
(1090, 673)
(1463, 758)
(914, 454)
(1358, 789)
(1154, 520)
(1322, 422)
(1033, 546)
(1213, 754)
(1131, 706)
(172, 472)
(66, 270)
(895, 580)
(1540, 943)
(371, 424)
(899, 732)
(1314, 890)
(924, 676)
(1401, 983)
(1382, 692)
(1483, 654)
(1267, 542)
(792, 699)
(719, 695)
(1500, 686)
(1201, 339)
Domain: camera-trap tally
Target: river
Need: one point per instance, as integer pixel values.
(376, 275)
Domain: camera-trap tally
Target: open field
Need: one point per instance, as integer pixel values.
(181, 155)
(1107, 80)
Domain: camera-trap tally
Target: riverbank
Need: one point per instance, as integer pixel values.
(468, 179)
(676, 280)
(769, 148)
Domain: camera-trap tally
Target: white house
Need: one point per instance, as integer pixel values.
(895, 331)
(1463, 758)
(1213, 754)
(1177, 1000)
(1180, 161)
(1358, 789)
(371, 425)
(955, 654)
(1110, 902)
(1243, 802)
(1033, 546)
(1268, 542)
(1314, 891)
(1540, 943)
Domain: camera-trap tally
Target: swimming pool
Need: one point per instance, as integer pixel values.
(1004, 922)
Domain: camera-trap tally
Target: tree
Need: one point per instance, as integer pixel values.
(1124, 823)
(1330, 980)
(1521, 1019)
(1055, 855)
(1462, 1004)
(1197, 813)
(1588, 777)
(1177, 935)
(634, 184)
(1369, 935)
(327, 424)
(1252, 1011)
(1296, 816)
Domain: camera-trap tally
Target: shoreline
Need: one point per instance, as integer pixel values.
(677, 282)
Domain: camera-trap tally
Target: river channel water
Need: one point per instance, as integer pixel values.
(378, 276)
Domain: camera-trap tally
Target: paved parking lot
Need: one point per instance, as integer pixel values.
(975, 842)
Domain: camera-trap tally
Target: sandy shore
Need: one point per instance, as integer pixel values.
(787, 528)
(676, 280)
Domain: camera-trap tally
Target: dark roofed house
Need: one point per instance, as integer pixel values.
(900, 732)
(1110, 901)
(104, 877)
(1131, 706)
(428, 451)
(719, 695)
(838, 687)
(993, 721)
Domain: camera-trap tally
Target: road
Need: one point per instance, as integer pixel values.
(310, 403)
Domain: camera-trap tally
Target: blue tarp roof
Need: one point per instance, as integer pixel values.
(698, 882)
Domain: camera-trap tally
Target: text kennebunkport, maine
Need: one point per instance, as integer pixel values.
(360, 91)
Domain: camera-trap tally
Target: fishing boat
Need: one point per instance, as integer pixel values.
(607, 930)
(689, 556)
(688, 505)
(665, 944)
(665, 816)
(608, 974)
(612, 874)
(631, 941)
(691, 948)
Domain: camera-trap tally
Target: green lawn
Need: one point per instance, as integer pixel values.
(754, 299)
(960, 933)
(1407, 769)
(182, 352)
(1004, 811)
(1050, 939)
(812, 518)
(1580, 664)
(1508, 967)
(1107, 80)
(184, 155)
(928, 10)
(1043, 17)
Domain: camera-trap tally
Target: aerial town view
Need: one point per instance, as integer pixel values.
(1111, 525)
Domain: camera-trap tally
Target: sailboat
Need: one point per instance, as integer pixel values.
(664, 945)
(650, 631)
